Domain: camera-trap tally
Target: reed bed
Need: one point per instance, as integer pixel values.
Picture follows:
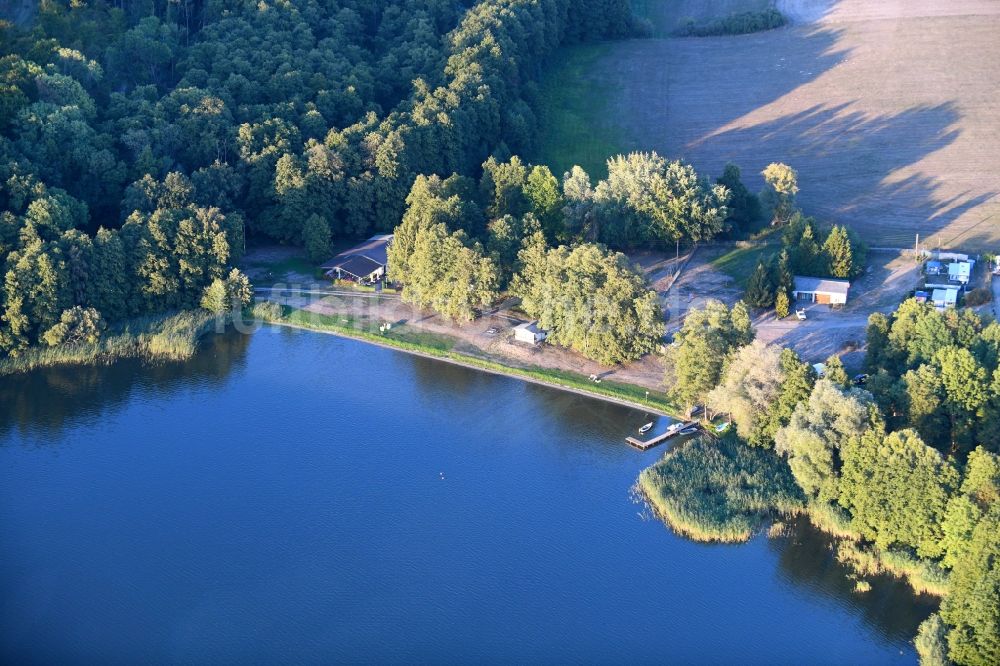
(719, 490)
(166, 337)
(831, 519)
(924, 576)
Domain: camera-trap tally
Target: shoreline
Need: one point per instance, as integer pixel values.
(475, 363)
(166, 336)
(137, 346)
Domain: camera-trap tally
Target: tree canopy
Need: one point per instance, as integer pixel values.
(590, 300)
(695, 361)
(167, 123)
(646, 198)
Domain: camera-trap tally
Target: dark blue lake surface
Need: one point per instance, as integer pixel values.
(280, 499)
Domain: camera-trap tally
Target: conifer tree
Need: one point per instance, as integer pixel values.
(784, 280)
(835, 372)
(807, 258)
(743, 333)
(781, 304)
(760, 289)
(839, 254)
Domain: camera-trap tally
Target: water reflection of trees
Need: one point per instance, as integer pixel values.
(44, 402)
(806, 559)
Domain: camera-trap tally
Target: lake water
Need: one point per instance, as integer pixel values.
(296, 497)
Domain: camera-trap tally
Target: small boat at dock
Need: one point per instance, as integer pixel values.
(644, 429)
(670, 431)
(674, 427)
(689, 431)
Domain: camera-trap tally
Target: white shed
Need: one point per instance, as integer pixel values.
(529, 332)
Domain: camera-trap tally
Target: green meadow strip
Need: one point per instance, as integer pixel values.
(442, 347)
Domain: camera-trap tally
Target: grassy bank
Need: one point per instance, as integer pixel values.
(721, 490)
(442, 347)
(740, 263)
(574, 115)
(168, 337)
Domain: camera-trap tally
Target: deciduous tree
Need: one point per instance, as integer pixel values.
(817, 431)
(779, 192)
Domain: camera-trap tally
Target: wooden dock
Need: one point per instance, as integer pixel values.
(644, 445)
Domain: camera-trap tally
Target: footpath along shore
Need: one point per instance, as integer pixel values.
(326, 317)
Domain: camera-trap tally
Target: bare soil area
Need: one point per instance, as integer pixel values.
(490, 336)
(827, 330)
(699, 283)
(888, 110)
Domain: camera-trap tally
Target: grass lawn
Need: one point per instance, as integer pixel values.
(278, 270)
(740, 263)
(576, 127)
(422, 339)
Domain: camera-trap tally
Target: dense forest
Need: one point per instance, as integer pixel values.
(143, 142)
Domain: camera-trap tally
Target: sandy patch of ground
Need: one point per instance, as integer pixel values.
(490, 336)
(890, 276)
(699, 283)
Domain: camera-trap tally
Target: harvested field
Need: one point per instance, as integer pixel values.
(888, 110)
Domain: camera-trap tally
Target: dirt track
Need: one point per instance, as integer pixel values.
(887, 109)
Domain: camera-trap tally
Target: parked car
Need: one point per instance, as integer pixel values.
(800, 314)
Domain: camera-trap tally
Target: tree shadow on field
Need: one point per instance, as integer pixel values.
(865, 157)
(852, 167)
(666, 93)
